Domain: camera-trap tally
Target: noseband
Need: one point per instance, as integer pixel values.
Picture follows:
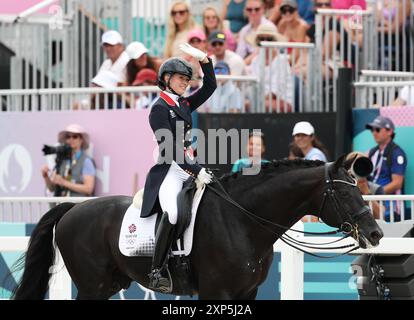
(348, 228)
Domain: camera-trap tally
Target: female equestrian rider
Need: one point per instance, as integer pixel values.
(165, 180)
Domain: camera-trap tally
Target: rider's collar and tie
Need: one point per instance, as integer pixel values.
(170, 98)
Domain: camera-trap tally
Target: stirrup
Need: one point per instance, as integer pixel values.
(159, 282)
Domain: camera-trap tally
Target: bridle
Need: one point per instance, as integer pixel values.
(329, 195)
(348, 228)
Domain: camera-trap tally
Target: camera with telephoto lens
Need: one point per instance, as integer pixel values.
(63, 151)
(362, 167)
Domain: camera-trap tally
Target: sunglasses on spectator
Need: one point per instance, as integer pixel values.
(179, 12)
(322, 4)
(287, 9)
(259, 39)
(250, 10)
(376, 129)
(215, 44)
(195, 40)
(210, 17)
(73, 136)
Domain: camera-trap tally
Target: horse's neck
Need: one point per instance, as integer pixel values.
(283, 199)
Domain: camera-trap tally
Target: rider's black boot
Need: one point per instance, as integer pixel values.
(160, 279)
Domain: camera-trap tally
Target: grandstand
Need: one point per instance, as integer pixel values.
(50, 50)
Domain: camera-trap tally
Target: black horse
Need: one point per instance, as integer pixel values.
(232, 250)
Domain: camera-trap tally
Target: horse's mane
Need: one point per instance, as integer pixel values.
(275, 166)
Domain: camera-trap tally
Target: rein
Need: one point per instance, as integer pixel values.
(346, 228)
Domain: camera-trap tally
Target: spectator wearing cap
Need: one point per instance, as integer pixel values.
(305, 10)
(145, 77)
(389, 160)
(113, 47)
(217, 43)
(304, 137)
(74, 173)
(139, 59)
(291, 25)
(212, 22)
(254, 10)
(227, 98)
(278, 74)
(180, 23)
(346, 4)
(108, 80)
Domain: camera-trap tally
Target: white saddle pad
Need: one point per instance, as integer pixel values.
(137, 235)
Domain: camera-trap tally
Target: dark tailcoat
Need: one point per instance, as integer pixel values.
(165, 114)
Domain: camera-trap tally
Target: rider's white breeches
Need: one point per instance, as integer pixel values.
(170, 187)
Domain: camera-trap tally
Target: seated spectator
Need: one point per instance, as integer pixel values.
(246, 43)
(405, 97)
(180, 23)
(212, 22)
(278, 75)
(233, 12)
(108, 80)
(117, 57)
(217, 42)
(291, 25)
(227, 98)
(198, 40)
(146, 77)
(139, 59)
(305, 138)
(256, 148)
(305, 10)
(366, 187)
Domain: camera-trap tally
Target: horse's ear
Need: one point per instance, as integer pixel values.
(339, 163)
(348, 163)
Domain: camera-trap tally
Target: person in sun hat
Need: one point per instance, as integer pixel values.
(75, 171)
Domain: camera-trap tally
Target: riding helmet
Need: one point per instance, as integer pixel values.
(172, 66)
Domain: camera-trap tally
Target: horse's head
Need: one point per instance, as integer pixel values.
(344, 208)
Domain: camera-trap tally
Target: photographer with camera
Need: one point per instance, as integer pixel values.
(361, 168)
(74, 172)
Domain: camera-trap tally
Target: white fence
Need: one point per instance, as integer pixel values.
(383, 93)
(292, 262)
(93, 98)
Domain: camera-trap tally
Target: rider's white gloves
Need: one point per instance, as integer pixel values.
(194, 52)
(204, 177)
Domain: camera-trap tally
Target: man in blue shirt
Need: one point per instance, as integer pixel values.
(390, 161)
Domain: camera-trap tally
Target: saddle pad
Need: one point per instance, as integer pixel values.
(137, 237)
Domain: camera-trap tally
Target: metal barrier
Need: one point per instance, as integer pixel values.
(385, 93)
(349, 46)
(284, 70)
(31, 209)
(138, 97)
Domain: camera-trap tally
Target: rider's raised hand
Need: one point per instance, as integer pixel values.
(194, 52)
